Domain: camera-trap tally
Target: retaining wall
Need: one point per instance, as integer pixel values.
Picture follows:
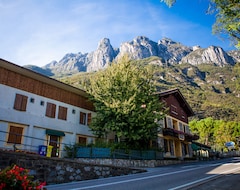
(58, 170)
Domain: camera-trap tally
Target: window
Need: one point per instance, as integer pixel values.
(187, 129)
(183, 114)
(175, 124)
(15, 135)
(82, 140)
(51, 110)
(20, 103)
(83, 118)
(73, 111)
(32, 100)
(169, 123)
(42, 103)
(174, 109)
(181, 127)
(185, 149)
(169, 146)
(62, 113)
(89, 118)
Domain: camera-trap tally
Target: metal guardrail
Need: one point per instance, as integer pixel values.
(25, 147)
(71, 151)
(94, 152)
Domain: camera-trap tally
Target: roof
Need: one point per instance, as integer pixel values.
(39, 77)
(176, 92)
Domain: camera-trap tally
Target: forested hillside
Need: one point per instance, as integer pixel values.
(211, 91)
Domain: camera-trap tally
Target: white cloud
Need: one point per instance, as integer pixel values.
(37, 32)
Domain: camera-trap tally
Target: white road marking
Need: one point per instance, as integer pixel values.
(193, 182)
(204, 179)
(159, 175)
(136, 179)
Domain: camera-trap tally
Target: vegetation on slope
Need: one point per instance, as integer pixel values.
(211, 91)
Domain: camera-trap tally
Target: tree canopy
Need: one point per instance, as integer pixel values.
(216, 133)
(123, 95)
(227, 18)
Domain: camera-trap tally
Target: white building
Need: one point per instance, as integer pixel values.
(37, 110)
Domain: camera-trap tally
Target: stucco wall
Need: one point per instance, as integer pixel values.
(34, 121)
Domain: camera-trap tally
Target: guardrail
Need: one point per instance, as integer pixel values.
(25, 146)
(71, 151)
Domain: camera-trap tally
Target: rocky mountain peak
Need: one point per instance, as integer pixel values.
(104, 43)
(211, 55)
(166, 41)
(100, 58)
(169, 52)
(139, 48)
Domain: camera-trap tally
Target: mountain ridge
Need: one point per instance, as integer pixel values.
(209, 77)
(169, 51)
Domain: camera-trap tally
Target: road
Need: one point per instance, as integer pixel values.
(194, 176)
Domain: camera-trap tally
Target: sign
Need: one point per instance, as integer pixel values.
(229, 144)
(181, 137)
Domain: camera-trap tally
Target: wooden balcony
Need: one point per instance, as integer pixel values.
(179, 134)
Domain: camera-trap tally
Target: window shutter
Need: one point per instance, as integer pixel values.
(20, 103)
(51, 110)
(82, 118)
(15, 135)
(24, 103)
(89, 118)
(169, 123)
(62, 113)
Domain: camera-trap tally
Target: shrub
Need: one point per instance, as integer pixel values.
(17, 178)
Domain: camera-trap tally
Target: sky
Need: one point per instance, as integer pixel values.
(36, 32)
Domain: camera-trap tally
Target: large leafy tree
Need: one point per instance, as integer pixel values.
(227, 18)
(216, 132)
(125, 102)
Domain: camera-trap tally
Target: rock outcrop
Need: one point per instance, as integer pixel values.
(169, 52)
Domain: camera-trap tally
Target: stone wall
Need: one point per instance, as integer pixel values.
(57, 170)
(131, 163)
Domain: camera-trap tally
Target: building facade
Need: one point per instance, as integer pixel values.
(36, 110)
(175, 138)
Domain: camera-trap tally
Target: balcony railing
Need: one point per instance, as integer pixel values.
(176, 133)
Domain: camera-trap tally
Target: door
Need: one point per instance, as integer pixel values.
(54, 142)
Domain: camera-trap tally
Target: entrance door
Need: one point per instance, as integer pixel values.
(54, 141)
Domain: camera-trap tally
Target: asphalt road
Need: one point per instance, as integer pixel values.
(220, 174)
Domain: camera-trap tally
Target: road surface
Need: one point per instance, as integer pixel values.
(194, 176)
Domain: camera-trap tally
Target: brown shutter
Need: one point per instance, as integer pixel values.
(24, 103)
(20, 103)
(89, 118)
(50, 110)
(17, 103)
(53, 111)
(82, 118)
(62, 113)
(15, 135)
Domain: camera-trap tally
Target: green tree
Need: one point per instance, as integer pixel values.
(205, 129)
(227, 18)
(123, 95)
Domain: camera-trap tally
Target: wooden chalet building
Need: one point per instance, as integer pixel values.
(175, 137)
(36, 110)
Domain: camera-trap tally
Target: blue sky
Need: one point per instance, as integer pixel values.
(37, 32)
